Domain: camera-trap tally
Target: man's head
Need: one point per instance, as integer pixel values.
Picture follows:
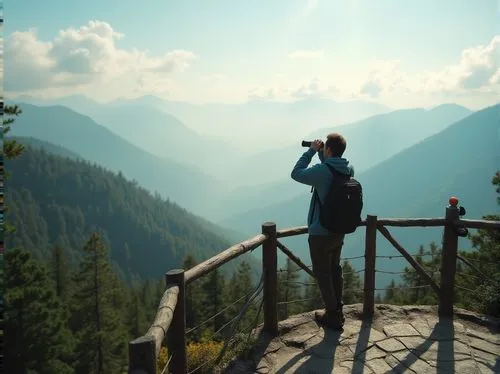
(335, 145)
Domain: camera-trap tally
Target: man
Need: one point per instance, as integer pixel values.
(324, 246)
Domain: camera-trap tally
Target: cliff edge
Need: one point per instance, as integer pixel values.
(398, 339)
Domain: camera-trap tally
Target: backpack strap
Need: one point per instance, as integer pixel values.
(335, 172)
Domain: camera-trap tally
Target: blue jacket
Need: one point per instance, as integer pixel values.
(320, 177)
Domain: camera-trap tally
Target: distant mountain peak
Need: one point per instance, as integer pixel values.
(450, 106)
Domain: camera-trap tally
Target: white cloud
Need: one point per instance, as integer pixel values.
(480, 66)
(81, 56)
(314, 88)
(474, 78)
(306, 54)
(478, 70)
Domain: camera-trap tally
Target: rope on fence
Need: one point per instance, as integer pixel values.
(240, 316)
(168, 362)
(296, 301)
(402, 287)
(342, 259)
(310, 266)
(235, 320)
(219, 313)
(411, 254)
(464, 288)
(470, 276)
(467, 262)
(389, 272)
(202, 365)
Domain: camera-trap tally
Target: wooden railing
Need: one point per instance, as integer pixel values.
(170, 320)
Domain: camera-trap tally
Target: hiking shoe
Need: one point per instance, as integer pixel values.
(333, 320)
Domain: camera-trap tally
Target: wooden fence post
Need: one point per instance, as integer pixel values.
(177, 332)
(142, 355)
(449, 260)
(370, 255)
(270, 269)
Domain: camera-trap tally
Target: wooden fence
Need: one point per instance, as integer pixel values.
(170, 320)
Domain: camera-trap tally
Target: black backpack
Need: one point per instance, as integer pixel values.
(341, 211)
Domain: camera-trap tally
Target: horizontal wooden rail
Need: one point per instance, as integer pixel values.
(232, 252)
(300, 230)
(480, 224)
(140, 348)
(411, 222)
(405, 222)
(164, 316)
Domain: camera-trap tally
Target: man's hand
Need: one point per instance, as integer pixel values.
(317, 145)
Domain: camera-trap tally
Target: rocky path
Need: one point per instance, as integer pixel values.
(399, 339)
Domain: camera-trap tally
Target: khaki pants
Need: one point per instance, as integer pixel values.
(325, 256)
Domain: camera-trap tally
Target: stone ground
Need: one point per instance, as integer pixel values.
(399, 339)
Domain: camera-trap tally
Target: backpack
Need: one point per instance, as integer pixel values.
(341, 211)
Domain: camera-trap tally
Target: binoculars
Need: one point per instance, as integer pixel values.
(307, 143)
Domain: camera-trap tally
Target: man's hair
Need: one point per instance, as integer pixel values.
(336, 143)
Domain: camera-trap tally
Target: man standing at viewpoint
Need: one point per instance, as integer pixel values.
(324, 246)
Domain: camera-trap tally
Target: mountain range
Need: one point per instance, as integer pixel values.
(384, 150)
(261, 124)
(370, 142)
(189, 186)
(460, 160)
(221, 135)
(243, 179)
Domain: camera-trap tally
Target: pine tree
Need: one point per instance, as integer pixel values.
(241, 286)
(102, 337)
(289, 290)
(35, 326)
(10, 149)
(390, 292)
(486, 295)
(412, 280)
(214, 291)
(312, 295)
(352, 285)
(61, 273)
(194, 301)
(136, 314)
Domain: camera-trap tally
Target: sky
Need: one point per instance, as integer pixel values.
(397, 53)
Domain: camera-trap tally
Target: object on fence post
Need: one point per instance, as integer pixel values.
(270, 269)
(142, 355)
(176, 334)
(370, 255)
(449, 260)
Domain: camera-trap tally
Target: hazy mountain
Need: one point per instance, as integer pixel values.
(460, 160)
(370, 141)
(158, 132)
(188, 186)
(267, 175)
(261, 124)
(46, 146)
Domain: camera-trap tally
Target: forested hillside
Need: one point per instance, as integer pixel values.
(189, 186)
(58, 200)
